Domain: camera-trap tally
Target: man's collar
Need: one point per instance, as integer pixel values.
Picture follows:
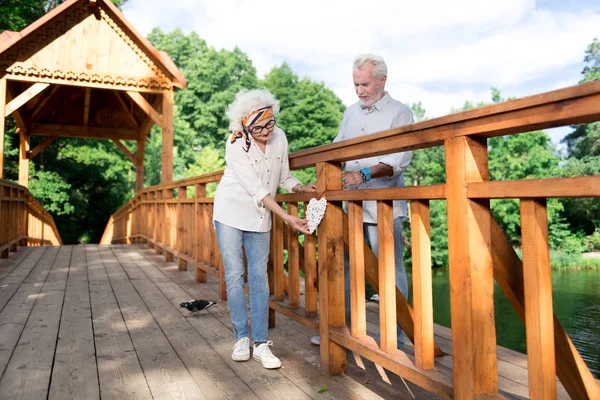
(379, 104)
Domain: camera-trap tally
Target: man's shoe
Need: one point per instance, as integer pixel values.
(262, 353)
(241, 350)
(316, 340)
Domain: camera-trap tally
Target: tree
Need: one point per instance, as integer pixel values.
(583, 145)
(17, 14)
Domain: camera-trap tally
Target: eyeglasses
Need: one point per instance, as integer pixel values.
(258, 130)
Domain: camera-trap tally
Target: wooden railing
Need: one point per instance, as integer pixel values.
(479, 252)
(23, 220)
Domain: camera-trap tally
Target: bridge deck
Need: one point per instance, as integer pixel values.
(89, 322)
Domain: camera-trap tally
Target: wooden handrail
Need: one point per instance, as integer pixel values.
(23, 220)
(478, 252)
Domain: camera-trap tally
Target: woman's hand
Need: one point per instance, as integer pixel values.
(311, 187)
(299, 188)
(298, 224)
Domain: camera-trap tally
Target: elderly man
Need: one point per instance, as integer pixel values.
(375, 111)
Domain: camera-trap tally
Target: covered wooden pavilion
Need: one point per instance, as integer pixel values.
(82, 71)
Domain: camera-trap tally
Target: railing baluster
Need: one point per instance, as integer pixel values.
(358, 311)
(537, 283)
(422, 290)
(293, 260)
(387, 276)
(278, 278)
(310, 272)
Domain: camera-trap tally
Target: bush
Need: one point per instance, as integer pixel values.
(592, 242)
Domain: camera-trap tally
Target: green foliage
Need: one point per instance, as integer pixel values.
(592, 242)
(50, 189)
(17, 14)
(428, 167)
(310, 113)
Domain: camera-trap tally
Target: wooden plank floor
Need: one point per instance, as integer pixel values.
(103, 322)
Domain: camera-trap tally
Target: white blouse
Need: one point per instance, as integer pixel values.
(248, 178)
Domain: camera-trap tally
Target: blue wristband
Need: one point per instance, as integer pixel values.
(365, 173)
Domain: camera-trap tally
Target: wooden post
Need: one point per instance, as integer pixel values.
(168, 227)
(539, 317)
(198, 234)
(181, 233)
(278, 272)
(331, 270)
(571, 369)
(23, 160)
(310, 270)
(293, 261)
(422, 290)
(2, 123)
(139, 165)
(167, 137)
(358, 310)
(471, 271)
(387, 276)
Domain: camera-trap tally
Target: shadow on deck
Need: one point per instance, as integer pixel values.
(90, 322)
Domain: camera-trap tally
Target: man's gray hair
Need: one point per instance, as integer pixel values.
(379, 66)
(247, 101)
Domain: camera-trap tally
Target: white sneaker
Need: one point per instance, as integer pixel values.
(241, 350)
(262, 353)
(316, 340)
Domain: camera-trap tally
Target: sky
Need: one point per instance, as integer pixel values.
(441, 52)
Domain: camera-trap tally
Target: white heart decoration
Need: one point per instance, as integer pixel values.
(315, 212)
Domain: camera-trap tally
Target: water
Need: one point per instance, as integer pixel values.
(576, 301)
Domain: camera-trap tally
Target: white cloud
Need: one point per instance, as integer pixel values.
(439, 52)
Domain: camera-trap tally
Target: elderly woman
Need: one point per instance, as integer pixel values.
(257, 163)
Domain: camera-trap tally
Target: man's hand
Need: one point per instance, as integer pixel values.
(351, 179)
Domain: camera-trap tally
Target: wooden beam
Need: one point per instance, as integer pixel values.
(574, 105)
(331, 270)
(139, 165)
(581, 186)
(404, 312)
(387, 276)
(537, 281)
(397, 362)
(422, 289)
(130, 116)
(293, 260)
(23, 160)
(356, 253)
(571, 369)
(167, 137)
(38, 149)
(24, 97)
(40, 106)
(147, 108)
(17, 115)
(471, 272)
(75, 131)
(82, 84)
(125, 151)
(2, 123)
(86, 107)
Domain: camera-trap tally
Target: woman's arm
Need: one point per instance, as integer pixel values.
(296, 223)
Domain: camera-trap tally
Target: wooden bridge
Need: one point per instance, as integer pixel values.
(103, 321)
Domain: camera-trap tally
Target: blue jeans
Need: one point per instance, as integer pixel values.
(370, 232)
(257, 246)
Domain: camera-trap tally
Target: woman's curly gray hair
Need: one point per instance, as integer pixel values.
(247, 101)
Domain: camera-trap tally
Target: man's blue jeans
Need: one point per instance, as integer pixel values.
(370, 232)
(257, 247)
